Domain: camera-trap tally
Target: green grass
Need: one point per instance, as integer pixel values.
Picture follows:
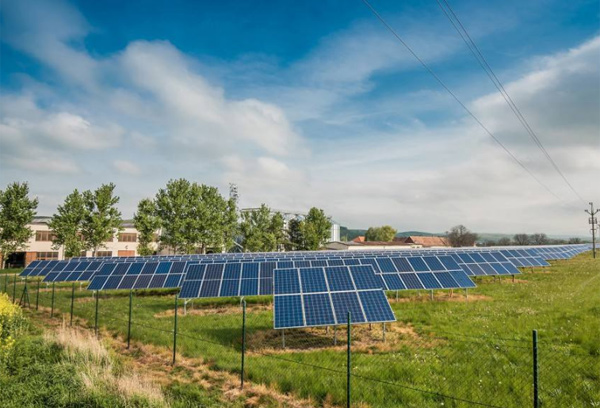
(478, 350)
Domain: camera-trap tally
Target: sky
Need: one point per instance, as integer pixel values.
(307, 104)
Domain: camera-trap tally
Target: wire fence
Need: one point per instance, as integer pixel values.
(363, 365)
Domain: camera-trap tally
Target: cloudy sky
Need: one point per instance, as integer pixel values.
(308, 104)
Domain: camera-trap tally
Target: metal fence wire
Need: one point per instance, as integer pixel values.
(366, 365)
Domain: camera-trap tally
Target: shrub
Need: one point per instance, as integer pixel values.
(11, 324)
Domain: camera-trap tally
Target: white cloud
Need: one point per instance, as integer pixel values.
(127, 167)
(303, 136)
(200, 113)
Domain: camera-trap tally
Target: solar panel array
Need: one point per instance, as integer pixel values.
(420, 272)
(138, 275)
(323, 296)
(485, 264)
(228, 279)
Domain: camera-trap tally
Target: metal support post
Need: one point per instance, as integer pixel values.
(348, 362)
(243, 342)
(37, 295)
(467, 293)
(129, 321)
(52, 302)
(72, 302)
(283, 337)
(335, 335)
(431, 294)
(175, 330)
(383, 328)
(96, 314)
(536, 400)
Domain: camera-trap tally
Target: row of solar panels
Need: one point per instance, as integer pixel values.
(544, 252)
(473, 264)
(519, 257)
(306, 292)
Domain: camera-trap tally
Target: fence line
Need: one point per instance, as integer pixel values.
(537, 368)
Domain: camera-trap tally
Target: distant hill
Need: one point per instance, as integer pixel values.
(418, 234)
(350, 234)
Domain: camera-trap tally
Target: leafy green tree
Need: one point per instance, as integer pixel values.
(230, 224)
(146, 222)
(102, 219)
(575, 240)
(66, 225)
(295, 234)
(317, 229)
(174, 209)
(262, 231)
(194, 215)
(385, 233)
(16, 211)
(521, 239)
(461, 236)
(215, 223)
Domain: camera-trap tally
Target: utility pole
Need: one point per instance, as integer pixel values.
(593, 222)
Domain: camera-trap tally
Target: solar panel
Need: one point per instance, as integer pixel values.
(429, 272)
(323, 296)
(137, 275)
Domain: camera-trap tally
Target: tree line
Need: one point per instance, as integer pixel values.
(183, 217)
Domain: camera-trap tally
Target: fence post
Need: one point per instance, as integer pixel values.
(96, 314)
(243, 341)
(129, 322)
(6, 283)
(348, 362)
(52, 303)
(175, 329)
(72, 302)
(37, 295)
(536, 399)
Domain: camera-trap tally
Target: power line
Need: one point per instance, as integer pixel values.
(462, 31)
(438, 79)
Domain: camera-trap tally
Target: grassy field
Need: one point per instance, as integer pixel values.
(443, 352)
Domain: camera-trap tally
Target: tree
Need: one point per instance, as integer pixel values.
(505, 241)
(66, 225)
(317, 229)
(16, 211)
(146, 222)
(174, 209)
(194, 215)
(539, 239)
(385, 233)
(262, 231)
(461, 236)
(575, 240)
(102, 219)
(521, 239)
(295, 235)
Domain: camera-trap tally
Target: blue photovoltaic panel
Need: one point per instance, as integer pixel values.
(318, 310)
(376, 306)
(344, 302)
(338, 278)
(313, 280)
(287, 282)
(135, 275)
(249, 287)
(327, 294)
(288, 311)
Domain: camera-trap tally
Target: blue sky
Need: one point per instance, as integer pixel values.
(307, 103)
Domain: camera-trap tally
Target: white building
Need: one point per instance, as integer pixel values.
(40, 245)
